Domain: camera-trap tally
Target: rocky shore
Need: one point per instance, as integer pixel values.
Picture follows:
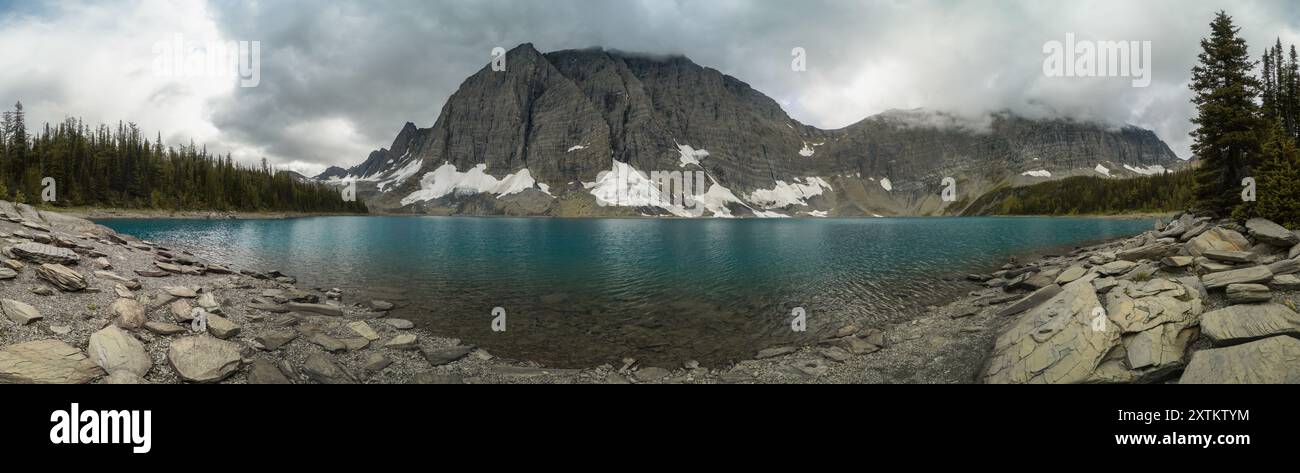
(1198, 301)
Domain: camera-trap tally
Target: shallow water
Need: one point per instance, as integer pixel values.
(582, 292)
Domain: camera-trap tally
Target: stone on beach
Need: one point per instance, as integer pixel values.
(46, 362)
(1252, 275)
(41, 253)
(61, 277)
(323, 309)
(204, 359)
(20, 312)
(114, 349)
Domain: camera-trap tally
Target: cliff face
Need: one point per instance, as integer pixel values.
(580, 132)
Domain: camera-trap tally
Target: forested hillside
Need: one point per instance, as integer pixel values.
(117, 167)
(1091, 195)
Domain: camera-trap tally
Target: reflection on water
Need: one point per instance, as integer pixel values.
(581, 292)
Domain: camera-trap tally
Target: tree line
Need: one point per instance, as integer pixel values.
(1086, 195)
(104, 166)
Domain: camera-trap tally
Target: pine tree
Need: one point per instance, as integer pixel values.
(1228, 118)
(1278, 182)
(1269, 90)
(1292, 102)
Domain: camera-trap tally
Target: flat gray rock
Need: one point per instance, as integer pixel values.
(1253, 275)
(1273, 360)
(46, 362)
(113, 349)
(20, 312)
(1268, 232)
(442, 356)
(1241, 323)
(204, 359)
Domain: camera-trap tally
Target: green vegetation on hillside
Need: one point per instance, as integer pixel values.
(1091, 196)
(1247, 128)
(103, 167)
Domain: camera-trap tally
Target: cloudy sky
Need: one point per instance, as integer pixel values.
(339, 78)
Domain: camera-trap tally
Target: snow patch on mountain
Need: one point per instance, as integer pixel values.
(689, 155)
(1103, 170)
(446, 180)
(886, 184)
(784, 195)
(1038, 173)
(1148, 170)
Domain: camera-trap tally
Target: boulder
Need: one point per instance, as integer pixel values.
(376, 362)
(1217, 238)
(321, 369)
(1240, 323)
(1229, 256)
(19, 312)
(1140, 335)
(1286, 282)
(274, 339)
(128, 314)
(363, 329)
(204, 359)
(264, 371)
(1032, 300)
(327, 342)
(41, 253)
(222, 327)
(1071, 274)
(1116, 268)
(382, 306)
(181, 291)
(1286, 266)
(164, 328)
(1177, 262)
(1248, 293)
(1154, 252)
(403, 342)
(400, 324)
(1274, 360)
(46, 362)
(61, 277)
(181, 310)
(442, 356)
(1268, 232)
(1252, 275)
(113, 349)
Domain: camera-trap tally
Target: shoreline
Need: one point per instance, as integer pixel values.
(284, 334)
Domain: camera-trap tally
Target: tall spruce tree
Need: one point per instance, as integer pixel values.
(1226, 139)
(1291, 103)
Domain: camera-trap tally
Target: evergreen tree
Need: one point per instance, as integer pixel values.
(1292, 101)
(1278, 182)
(103, 167)
(1228, 118)
(1268, 91)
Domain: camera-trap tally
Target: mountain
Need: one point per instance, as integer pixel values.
(598, 132)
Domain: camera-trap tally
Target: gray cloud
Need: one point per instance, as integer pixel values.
(339, 78)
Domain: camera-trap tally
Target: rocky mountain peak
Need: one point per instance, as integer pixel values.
(536, 138)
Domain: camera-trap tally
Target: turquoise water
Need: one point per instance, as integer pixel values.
(581, 292)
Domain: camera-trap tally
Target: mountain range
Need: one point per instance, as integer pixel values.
(597, 132)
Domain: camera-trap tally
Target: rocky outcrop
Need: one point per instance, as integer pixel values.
(1273, 360)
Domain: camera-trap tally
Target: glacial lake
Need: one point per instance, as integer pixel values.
(583, 292)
